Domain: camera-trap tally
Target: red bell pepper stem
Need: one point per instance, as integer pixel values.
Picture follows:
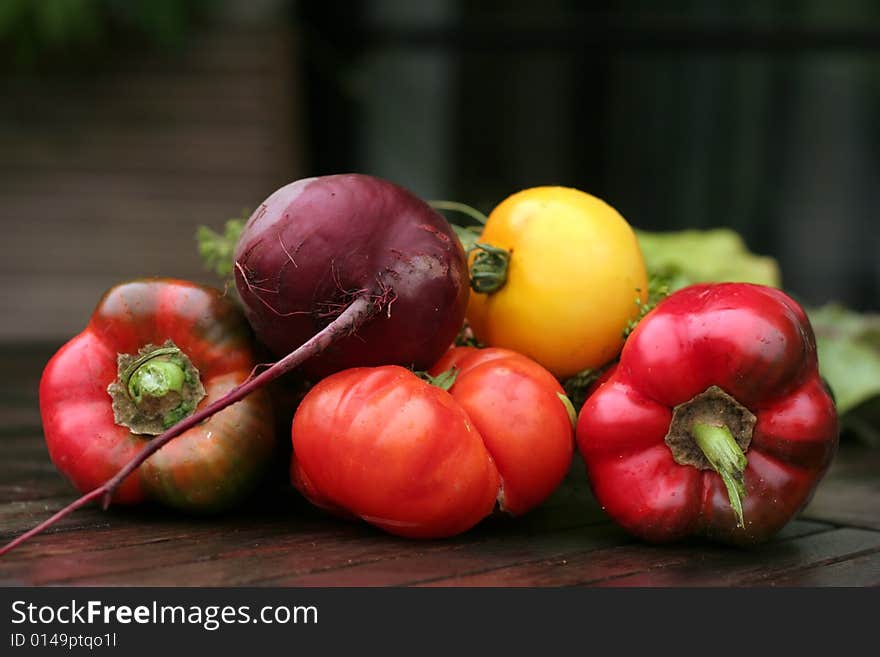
(139, 364)
(728, 460)
(361, 309)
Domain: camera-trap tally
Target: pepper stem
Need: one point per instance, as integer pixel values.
(155, 377)
(489, 268)
(156, 388)
(728, 460)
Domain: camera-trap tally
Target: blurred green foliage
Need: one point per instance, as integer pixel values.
(35, 32)
(217, 249)
(849, 357)
(691, 256)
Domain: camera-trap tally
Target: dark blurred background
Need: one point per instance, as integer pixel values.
(125, 124)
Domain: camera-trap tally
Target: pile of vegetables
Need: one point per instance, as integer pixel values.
(702, 409)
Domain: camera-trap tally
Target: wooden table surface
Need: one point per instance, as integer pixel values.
(278, 539)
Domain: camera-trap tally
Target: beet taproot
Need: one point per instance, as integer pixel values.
(317, 244)
(334, 272)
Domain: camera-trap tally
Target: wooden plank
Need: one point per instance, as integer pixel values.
(736, 568)
(850, 502)
(857, 571)
(289, 540)
(25, 488)
(277, 538)
(850, 493)
(580, 567)
(292, 552)
(213, 552)
(420, 566)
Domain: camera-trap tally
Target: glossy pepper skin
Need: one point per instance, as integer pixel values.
(754, 343)
(208, 468)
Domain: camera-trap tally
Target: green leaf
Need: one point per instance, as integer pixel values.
(217, 249)
(658, 289)
(849, 353)
(679, 259)
(576, 386)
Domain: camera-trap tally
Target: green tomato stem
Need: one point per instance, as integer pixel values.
(569, 408)
(489, 268)
(444, 380)
(728, 460)
(463, 208)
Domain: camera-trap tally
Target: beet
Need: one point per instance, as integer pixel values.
(317, 244)
(334, 272)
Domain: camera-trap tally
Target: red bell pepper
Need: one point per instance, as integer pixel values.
(154, 350)
(715, 421)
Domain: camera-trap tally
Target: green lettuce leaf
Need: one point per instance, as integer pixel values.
(683, 258)
(849, 349)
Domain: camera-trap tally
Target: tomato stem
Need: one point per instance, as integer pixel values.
(728, 460)
(350, 320)
(489, 267)
(463, 208)
(444, 380)
(569, 408)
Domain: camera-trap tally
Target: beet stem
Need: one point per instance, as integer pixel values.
(350, 320)
(73, 506)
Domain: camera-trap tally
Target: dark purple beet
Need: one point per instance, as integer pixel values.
(334, 272)
(316, 244)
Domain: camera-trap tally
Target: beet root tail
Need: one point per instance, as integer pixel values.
(350, 320)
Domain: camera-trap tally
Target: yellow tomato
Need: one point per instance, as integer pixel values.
(573, 279)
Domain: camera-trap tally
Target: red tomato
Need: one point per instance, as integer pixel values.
(520, 410)
(383, 445)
